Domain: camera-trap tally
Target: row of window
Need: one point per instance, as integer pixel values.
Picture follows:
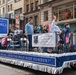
(4, 9)
(71, 13)
(30, 7)
(3, 1)
(18, 11)
(35, 20)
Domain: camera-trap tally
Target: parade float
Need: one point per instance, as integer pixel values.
(53, 63)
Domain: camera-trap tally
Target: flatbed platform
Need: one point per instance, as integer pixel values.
(45, 62)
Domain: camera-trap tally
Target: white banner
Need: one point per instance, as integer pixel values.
(74, 38)
(44, 40)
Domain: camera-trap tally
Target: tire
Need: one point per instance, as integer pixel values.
(73, 66)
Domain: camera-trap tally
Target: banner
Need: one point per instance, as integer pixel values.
(4, 27)
(44, 40)
(50, 61)
(74, 38)
(18, 21)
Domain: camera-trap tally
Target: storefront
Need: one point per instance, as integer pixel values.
(66, 13)
(72, 26)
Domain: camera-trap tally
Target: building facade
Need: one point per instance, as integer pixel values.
(6, 7)
(18, 6)
(32, 10)
(62, 7)
(45, 12)
(58, 8)
(10, 9)
(40, 10)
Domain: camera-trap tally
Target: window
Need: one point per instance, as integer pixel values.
(26, 20)
(0, 11)
(36, 6)
(3, 10)
(18, 11)
(10, 15)
(75, 12)
(26, 0)
(31, 17)
(36, 20)
(44, 1)
(75, 3)
(16, 1)
(63, 12)
(3, 1)
(11, 7)
(0, 2)
(46, 16)
(8, 0)
(27, 8)
(8, 8)
(31, 6)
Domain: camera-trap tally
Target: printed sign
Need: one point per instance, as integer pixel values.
(18, 21)
(44, 40)
(4, 27)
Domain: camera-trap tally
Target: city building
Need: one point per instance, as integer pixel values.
(60, 8)
(18, 7)
(32, 10)
(41, 11)
(6, 7)
(10, 9)
(45, 12)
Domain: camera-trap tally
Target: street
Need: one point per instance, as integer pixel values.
(6, 69)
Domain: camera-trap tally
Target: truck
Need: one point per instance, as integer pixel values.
(52, 63)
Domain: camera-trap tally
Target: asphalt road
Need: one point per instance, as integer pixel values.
(6, 69)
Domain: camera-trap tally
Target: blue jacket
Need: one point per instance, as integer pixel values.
(67, 32)
(29, 30)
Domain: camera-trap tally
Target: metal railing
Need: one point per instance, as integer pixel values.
(23, 43)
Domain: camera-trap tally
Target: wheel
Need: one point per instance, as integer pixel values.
(73, 66)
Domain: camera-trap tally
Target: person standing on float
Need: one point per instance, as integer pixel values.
(29, 30)
(67, 35)
(54, 28)
(39, 29)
